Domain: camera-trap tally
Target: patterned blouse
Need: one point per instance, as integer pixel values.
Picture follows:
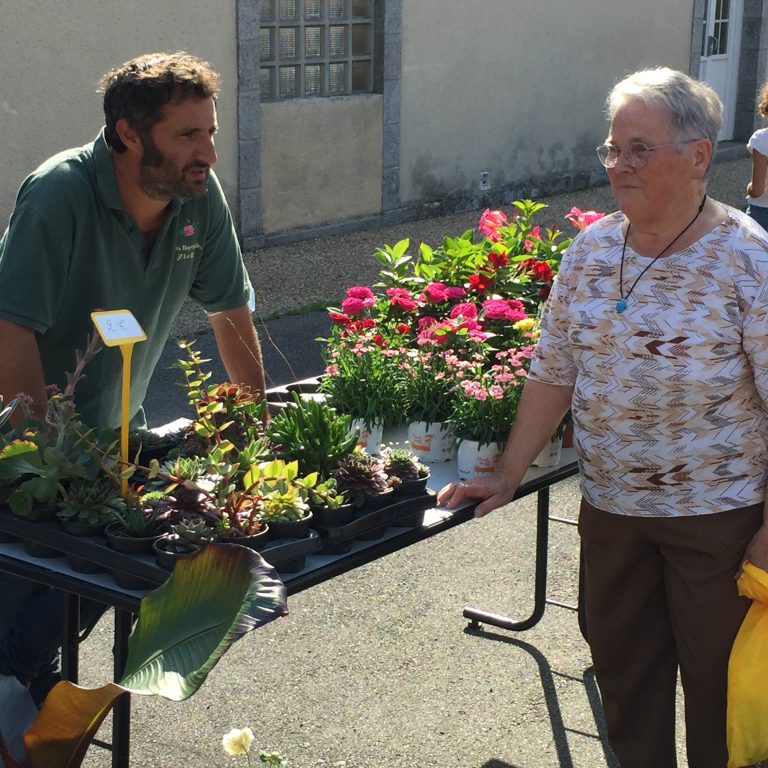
(670, 399)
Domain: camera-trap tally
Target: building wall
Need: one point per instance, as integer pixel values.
(321, 160)
(52, 54)
(519, 93)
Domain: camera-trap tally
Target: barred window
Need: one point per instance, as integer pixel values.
(316, 48)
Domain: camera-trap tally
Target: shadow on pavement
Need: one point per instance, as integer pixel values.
(559, 729)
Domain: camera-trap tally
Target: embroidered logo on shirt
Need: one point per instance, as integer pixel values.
(186, 250)
(189, 229)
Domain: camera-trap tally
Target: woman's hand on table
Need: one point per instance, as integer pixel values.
(495, 491)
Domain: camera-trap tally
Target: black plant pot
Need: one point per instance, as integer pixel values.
(82, 564)
(76, 528)
(326, 516)
(290, 529)
(130, 545)
(253, 540)
(413, 487)
(39, 550)
(129, 581)
(40, 513)
(166, 557)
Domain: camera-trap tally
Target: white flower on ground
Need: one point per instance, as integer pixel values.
(237, 741)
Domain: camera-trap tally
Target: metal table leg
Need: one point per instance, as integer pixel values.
(476, 615)
(70, 647)
(121, 715)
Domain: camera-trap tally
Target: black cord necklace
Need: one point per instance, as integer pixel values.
(621, 304)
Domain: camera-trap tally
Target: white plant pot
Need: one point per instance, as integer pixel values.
(549, 456)
(370, 439)
(475, 460)
(431, 442)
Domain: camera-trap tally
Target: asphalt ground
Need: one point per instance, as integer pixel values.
(376, 668)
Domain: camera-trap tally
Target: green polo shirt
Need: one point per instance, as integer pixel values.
(71, 248)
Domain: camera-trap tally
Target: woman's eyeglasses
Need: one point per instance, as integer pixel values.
(636, 154)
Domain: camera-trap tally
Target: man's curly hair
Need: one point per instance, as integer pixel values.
(139, 89)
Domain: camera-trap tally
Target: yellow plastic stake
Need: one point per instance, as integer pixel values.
(119, 328)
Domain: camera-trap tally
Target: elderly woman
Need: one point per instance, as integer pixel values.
(656, 335)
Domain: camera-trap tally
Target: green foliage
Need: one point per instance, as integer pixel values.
(141, 516)
(282, 493)
(403, 463)
(360, 476)
(95, 502)
(223, 412)
(312, 433)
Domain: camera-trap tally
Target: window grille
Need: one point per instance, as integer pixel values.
(315, 48)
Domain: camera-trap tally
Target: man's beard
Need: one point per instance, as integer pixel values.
(161, 179)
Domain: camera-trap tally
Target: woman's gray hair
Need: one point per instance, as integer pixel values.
(693, 107)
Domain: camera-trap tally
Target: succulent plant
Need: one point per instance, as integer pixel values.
(142, 516)
(91, 501)
(359, 476)
(403, 463)
(187, 472)
(194, 529)
(312, 433)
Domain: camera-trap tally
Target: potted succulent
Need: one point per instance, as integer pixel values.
(231, 412)
(402, 463)
(145, 444)
(138, 524)
(312, 433)
(88, 506)
(329, 507)
(283, 497)
(362, 479)
(185, 539)
(44, 455)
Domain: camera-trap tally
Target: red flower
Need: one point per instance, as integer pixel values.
(582, 219)
(480, 283)
(540, 270)
(403, 328)
(489, 222)
(465, 309)
(339, 317)
(379, 340)
(402, 299)
(498, 260)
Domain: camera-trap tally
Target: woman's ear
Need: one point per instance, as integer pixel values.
(703, 152)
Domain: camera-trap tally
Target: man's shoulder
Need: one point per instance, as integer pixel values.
(65, 172)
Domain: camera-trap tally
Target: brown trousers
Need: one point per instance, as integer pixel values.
(660, 595)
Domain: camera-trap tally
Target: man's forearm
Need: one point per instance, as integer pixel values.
(239, 347)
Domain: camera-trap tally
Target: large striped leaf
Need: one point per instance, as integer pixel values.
(68, 721)
(186, 625)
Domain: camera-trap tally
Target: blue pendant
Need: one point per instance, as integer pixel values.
(621, 305)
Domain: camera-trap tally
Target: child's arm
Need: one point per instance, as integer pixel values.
(756, 186)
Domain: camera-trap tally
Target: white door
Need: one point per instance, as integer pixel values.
(721, 40)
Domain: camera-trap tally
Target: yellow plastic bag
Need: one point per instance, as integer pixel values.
(747, 718)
